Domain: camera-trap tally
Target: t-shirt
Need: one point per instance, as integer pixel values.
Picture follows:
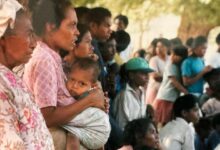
(167, 91)
(190, 68)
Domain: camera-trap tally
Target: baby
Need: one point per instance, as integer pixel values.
(91, 126)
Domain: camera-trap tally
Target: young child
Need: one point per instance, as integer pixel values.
(130, 104)
(212, 106)
(171, 86)
(140, 134)
(178, 134)
(92, 125)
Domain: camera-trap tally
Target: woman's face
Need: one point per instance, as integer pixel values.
(151, 138)
(161, 49)
(84, 48)
(66, 35)
(19, 46)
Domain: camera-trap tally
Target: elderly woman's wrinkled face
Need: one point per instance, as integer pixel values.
(19, 44)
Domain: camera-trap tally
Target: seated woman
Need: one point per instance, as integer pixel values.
(22, 124)
(140, 134)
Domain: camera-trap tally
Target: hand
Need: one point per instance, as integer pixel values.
(97, 98)
(94, 56)
(107, 106)
(207, 69)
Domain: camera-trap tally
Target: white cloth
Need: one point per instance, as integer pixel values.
(91, 126)
(8, 9)
(213, 60)
(177, 135)
(211, 107)
(127, 106)
(218, 147)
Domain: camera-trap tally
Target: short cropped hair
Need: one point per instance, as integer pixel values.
(184, 103)
(213, 79)
(198, 41)
(87, 63)
(98, 14)
(122, 18)
(180, 51)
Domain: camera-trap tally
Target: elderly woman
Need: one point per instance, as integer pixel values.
(21, 123)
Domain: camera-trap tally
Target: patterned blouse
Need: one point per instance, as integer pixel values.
(22, 126)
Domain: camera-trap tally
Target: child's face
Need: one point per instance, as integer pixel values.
(79, 81)
(151, 138)
(200, 51)
(193, 114)
(175, 58)
(140, 78)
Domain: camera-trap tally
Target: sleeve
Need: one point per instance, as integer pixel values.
(186, 69)
(153, 64)
(9, 125)
(173, 145)
(45, 84)
(171, 70)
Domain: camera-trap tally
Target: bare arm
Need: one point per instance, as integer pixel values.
(177, 85)
(157, 77)
(55, 116)
(190, 80)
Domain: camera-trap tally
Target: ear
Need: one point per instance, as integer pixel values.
(93, 26)
(50, 27)
(209, 91)
(184, 113)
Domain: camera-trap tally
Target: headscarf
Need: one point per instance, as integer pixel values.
(8, 10)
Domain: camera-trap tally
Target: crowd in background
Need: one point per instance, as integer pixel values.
(69, 81)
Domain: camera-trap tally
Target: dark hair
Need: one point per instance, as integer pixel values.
(86, 64)
(136, 130)
(198, 41)
(176, 42)
(122, 39)
(83, 29)
(82, 13)
(216, 120)
(180, 51)
(203, 124)
(189, 42)
(213, 79)
(184, 103)
(217, 39)
(165, 42)
(49, 11)
(98, 14)
(122, 18)
(141, 53)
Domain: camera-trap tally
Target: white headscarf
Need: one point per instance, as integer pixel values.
(8, 9)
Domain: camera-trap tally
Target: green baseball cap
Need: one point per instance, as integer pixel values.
(138, 64)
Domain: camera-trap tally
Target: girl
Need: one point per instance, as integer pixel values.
(171, 86)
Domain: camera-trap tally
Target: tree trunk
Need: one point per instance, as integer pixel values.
(192, 27)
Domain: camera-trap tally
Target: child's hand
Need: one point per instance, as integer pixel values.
(207, 69)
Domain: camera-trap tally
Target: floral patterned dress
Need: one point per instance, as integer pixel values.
(22, 126)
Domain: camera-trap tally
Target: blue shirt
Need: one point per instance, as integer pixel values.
(191, 67)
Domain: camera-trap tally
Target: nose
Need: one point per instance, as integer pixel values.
(33, 42)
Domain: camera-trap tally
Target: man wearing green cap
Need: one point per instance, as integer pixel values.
(130, 104)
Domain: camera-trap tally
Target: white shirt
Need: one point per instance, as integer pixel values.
(177, 135)
(127, 106)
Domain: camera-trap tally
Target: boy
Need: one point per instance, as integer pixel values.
(178, 134)
(130, 104)
(92, 125)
